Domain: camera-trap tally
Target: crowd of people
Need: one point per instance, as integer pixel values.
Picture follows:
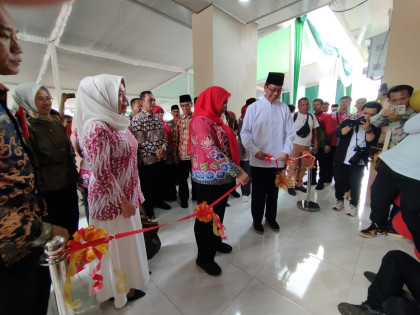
(130, 162)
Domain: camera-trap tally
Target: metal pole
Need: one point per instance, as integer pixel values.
(308, 205)
(58, 270)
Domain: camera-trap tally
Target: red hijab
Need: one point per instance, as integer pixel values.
(243, 111)
(166, 126)
(208, 104)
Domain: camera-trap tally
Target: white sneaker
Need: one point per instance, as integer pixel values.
(352, 211)
(245, 198)
(339, 205)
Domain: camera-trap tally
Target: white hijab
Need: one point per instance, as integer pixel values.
(97, 99)
(24, 95)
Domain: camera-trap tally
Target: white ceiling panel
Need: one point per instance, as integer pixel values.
(150, 41)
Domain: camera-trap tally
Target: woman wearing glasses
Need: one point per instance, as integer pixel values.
(52, 156)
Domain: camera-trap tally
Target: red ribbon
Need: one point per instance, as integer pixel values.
(75, 246)
(20, 115)
(268, 157)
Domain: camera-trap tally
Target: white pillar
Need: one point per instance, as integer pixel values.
(225, 54)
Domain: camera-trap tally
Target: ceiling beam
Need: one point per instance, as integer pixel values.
(134, 62)
(89, 52)
(163, 14)
(55, 36)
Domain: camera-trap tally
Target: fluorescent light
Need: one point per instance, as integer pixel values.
(243, 0)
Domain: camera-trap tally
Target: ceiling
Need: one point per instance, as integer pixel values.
(149, 42)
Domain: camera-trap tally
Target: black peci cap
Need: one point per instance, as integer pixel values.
(276, 78)
(185, 98)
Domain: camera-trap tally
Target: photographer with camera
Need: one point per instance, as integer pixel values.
(396, 114)
(351, 156)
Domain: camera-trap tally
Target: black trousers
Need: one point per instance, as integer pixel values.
(63, 207)
(207, 242)
(246, 189)
(25, 287)
(322, 159)
(329, 164)
(386, 186)
(184, 169)
(264, 193)
(151, 181)
(348, 176)
(397, 268)
(169, 183)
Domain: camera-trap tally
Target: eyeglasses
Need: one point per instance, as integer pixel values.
(278, 91)
(44, 99)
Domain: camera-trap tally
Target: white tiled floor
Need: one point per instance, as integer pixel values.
(315, 261)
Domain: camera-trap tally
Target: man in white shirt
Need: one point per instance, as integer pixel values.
(305, 125)
(267, 131)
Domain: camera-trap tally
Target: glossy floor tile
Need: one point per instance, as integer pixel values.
(315, 262)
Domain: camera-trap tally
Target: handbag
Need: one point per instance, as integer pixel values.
(304, 131)
(151, 238)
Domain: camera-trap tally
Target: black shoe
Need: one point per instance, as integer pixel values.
(291, 191)
(369, 275)
(372, 231)
(227, 205)
(137, 295)
(173, 198)
(362, 309)
(235, 194)
(320, 186)
(258, 228)
(163, 205)
(224, 248)
(212, 268)
(274, 225)
(184, 204)
(301, 188)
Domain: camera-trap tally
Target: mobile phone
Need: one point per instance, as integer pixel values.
(400, 109)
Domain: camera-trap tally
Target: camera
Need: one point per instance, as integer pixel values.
(355, 159)
(400, 109)
(357, 121)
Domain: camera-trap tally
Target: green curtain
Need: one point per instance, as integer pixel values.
(348, 93)
(311, 93)
(339, 91)
(285, 98)
(328, 49)
(299, 22)
(348, 90)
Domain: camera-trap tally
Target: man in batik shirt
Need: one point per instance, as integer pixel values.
(182, 157)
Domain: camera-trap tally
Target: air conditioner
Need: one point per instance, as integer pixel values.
(377, 56)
